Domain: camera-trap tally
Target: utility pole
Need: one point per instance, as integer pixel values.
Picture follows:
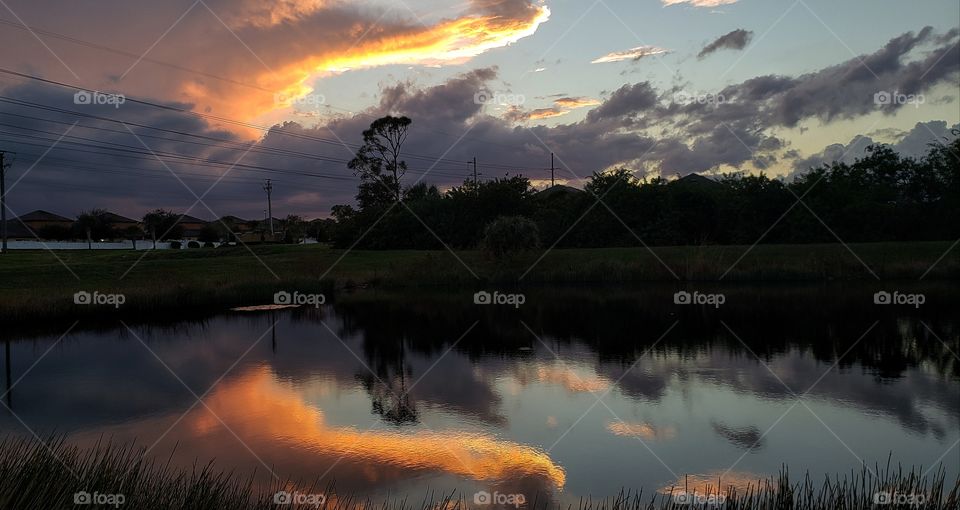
(475, 181)
(268, 187)
(551, 170)
(3, 202)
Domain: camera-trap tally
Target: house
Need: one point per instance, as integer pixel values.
(16, 231)
(35, 224)
(697, 181)
(39, 219)
(558, 190)
(121, 224)
(238, 225)
(191, 226)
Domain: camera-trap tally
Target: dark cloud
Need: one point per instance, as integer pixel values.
(735, 40)
(638, 125)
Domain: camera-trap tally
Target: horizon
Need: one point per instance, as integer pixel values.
(663, 88)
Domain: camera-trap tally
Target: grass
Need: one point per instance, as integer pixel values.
(36, 474)
(37, 284)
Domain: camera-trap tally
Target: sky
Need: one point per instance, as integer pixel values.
(131, 105)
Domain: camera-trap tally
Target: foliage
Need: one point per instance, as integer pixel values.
(162, 225)
(378, 162)
(210, 233)
(94, 224)
(508, 235)
(882, 196)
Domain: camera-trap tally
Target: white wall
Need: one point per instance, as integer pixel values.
(82, 245)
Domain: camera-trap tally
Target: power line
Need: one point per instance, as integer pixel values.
(142, 58)
(226, 120)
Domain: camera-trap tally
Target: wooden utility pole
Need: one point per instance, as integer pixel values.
(551, 170)
(268, 187)
(3, 202)
(475, 181)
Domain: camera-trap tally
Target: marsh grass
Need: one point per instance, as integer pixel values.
(35, 474)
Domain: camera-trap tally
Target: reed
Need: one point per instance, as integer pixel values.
(50, 474)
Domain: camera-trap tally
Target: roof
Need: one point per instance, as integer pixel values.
(697, 180)
(41, 215)
(558, 189)
(233, 219)
(186, 218)
(116, 218)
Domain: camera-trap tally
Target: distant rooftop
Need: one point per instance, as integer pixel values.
(116, 218)
(186, 218)
(558, 189)
(40, 215)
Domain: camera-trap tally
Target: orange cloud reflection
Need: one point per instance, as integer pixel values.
(257, 404)
(641, 430)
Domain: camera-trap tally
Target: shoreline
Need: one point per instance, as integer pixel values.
(39, 285)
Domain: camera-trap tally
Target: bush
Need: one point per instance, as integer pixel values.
(193, 244)
(208, 244)
(507, 235)
(175, 245)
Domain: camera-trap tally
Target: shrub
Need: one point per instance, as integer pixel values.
(193, 244)
(175, 245)
(208, 244)
(507, 235)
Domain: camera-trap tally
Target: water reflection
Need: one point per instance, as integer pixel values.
(391, 396)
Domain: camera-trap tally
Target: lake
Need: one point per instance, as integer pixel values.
(571, 393)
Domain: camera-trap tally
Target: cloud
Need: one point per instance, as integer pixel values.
(638, 125)
(699, 3)
(914, 143)
(260, 49)
(561, 106)
(735, 40)
(575, 102)
(632, 54)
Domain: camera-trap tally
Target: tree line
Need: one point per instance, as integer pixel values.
(882, 196)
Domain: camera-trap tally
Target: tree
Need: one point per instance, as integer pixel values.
(162, 224)
(508, 235)
(209, 233)
(94, 223)
(295, 229)
(378, 162)
(133, 232)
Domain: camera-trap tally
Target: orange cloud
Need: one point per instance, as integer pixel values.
(575, 102)
(452, 41)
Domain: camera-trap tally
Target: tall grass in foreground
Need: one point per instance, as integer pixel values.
(47, 475)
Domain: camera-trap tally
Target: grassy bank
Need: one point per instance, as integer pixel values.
(41, 284)
(52, 475)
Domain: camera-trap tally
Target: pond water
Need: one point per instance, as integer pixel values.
(574, 393)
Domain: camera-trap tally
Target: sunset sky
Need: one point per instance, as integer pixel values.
(664, 87)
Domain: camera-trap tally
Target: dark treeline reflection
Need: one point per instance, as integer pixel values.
(619, 325)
